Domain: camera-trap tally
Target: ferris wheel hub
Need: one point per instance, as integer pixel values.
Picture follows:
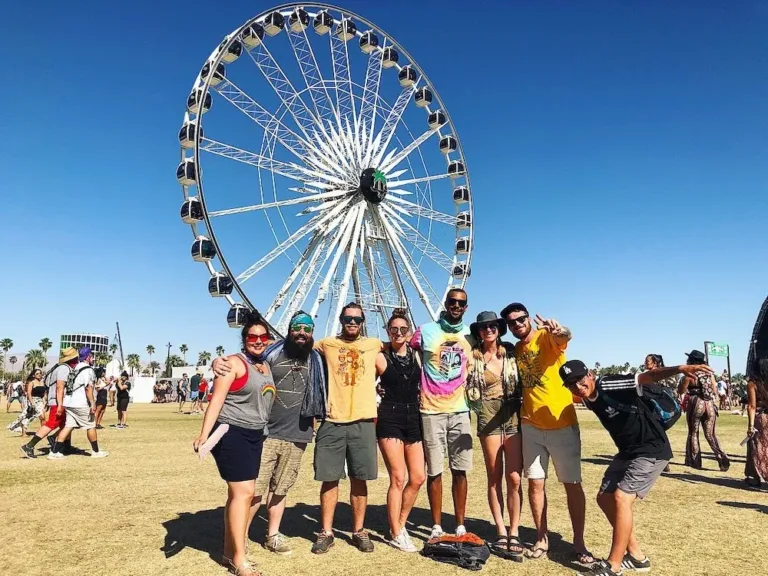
(373, 185)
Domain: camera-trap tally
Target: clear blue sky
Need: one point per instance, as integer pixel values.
(618, 153)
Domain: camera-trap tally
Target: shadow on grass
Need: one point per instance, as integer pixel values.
(203, 530)
(746, 506)
(714, 480)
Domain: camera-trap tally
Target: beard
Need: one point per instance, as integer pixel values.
(296, 351)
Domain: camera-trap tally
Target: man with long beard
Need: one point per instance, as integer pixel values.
(296, 368)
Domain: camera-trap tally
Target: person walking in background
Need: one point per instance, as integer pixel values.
(242, 401)
(494, 393)
(182, 391)
(722, 392)
(102, 389)
(549, 425)
(112, 390)
(757, 423)
(55, 383)
(16, 394)
(445, 418)
(123, 399)
(701, 412)
(202, 395)
(398, 427)
(644, 451)
(194, 389)
(35, 405)
(348, 434)
(80, 403)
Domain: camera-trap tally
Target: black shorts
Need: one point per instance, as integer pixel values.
(238, 453)
(399, 421)
(101, 398)
(122, 404)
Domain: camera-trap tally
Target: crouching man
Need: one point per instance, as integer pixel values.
(644, 452)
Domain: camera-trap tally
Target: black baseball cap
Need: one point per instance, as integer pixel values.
(514, 307)
(573, 371)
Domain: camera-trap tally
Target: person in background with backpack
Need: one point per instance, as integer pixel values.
(77, 397)
(637, 426)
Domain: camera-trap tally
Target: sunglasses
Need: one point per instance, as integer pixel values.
(306, 328)
(254, 338)
(352, 320)
(519, 320)
(456, 302)
(488, 327)
(402, 330)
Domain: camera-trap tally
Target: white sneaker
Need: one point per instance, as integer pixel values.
(56, 456)
(411, 545)
(100, 454)
(460, 530)
(402, 542)
(437, 531)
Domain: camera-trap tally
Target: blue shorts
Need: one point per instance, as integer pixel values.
(193, 395)
(238, 453)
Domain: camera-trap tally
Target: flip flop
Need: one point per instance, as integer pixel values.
(537, 553)
(584, 559)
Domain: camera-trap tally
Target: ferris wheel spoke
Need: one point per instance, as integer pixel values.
(392, 163)
(342, 76)
(351, 257)
(390, 125)
(290, 241)
(287, 169)
(285, 91)
(370, 96)
(268, 122)
(420, 180)
(279, 204)
(305, 56)
(400, 251)
(422, 243)
(412, 209)
(427, 286)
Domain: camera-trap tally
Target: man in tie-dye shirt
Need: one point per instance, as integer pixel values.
(444, 411)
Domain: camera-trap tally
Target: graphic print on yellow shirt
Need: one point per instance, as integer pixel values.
(547, 404)
(351, 377)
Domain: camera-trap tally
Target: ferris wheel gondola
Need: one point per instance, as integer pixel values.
(358, 190)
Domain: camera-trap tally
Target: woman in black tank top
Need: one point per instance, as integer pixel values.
(35, 405)
(701, 412)
(398, 426)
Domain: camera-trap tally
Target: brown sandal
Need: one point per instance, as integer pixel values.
(245, 569)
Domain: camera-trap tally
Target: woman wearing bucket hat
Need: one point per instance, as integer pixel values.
(701, 412)
(493, 392)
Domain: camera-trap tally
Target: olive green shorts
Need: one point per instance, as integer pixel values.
(498, 417)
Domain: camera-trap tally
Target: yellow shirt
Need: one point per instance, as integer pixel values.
(351, 377)
(547, 404)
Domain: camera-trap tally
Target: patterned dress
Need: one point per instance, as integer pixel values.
(702, 413)
(757, 447)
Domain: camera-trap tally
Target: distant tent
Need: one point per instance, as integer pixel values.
(113, 368)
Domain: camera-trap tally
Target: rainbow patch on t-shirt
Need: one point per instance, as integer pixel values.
(269, 389)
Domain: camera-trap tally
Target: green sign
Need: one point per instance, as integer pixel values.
(717, 349)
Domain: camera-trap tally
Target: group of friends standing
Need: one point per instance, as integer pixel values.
(268, 399)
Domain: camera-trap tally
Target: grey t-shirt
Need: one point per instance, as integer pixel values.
(285, 421)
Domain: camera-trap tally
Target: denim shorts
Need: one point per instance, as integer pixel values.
(399, 421)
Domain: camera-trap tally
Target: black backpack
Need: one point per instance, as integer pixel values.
(660, 401)
(468, 551)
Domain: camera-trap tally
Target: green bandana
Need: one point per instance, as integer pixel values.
(450, 328)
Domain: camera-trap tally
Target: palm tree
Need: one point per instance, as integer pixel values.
(154, 366)
(5, 344)
(183, 349)
(13, 361)
(220, 351)
(150, 351)
(35, 359)
(113, 349)
(175, 361)
(102, 359)
(203, 358)
(134, 362)
(45, 345)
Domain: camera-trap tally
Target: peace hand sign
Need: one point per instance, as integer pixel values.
(552, 326)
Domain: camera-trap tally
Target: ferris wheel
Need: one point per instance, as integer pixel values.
(319, 166)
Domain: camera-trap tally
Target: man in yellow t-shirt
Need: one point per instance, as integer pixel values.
(549, 425)
(348, 434)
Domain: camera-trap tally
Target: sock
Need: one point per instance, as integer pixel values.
(32, 443)
(95, 445)
(56, 448)
(68, 444)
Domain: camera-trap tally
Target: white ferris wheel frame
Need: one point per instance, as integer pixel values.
(347, 232)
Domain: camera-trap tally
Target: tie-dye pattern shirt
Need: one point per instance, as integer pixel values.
(444, 372)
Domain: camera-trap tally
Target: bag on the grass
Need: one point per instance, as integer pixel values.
(659, 400)
(468, 551)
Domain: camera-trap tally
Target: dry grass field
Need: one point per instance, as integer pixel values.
(152, 508)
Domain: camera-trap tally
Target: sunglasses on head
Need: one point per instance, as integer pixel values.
(519, 320)
(488, 327)
(306, 328)
(456, 302)
(254, 338)
(402, 330)
(352, 320)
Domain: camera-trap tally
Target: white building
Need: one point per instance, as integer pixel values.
(98, 343)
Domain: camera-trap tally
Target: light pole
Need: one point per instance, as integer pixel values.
(168, 362)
